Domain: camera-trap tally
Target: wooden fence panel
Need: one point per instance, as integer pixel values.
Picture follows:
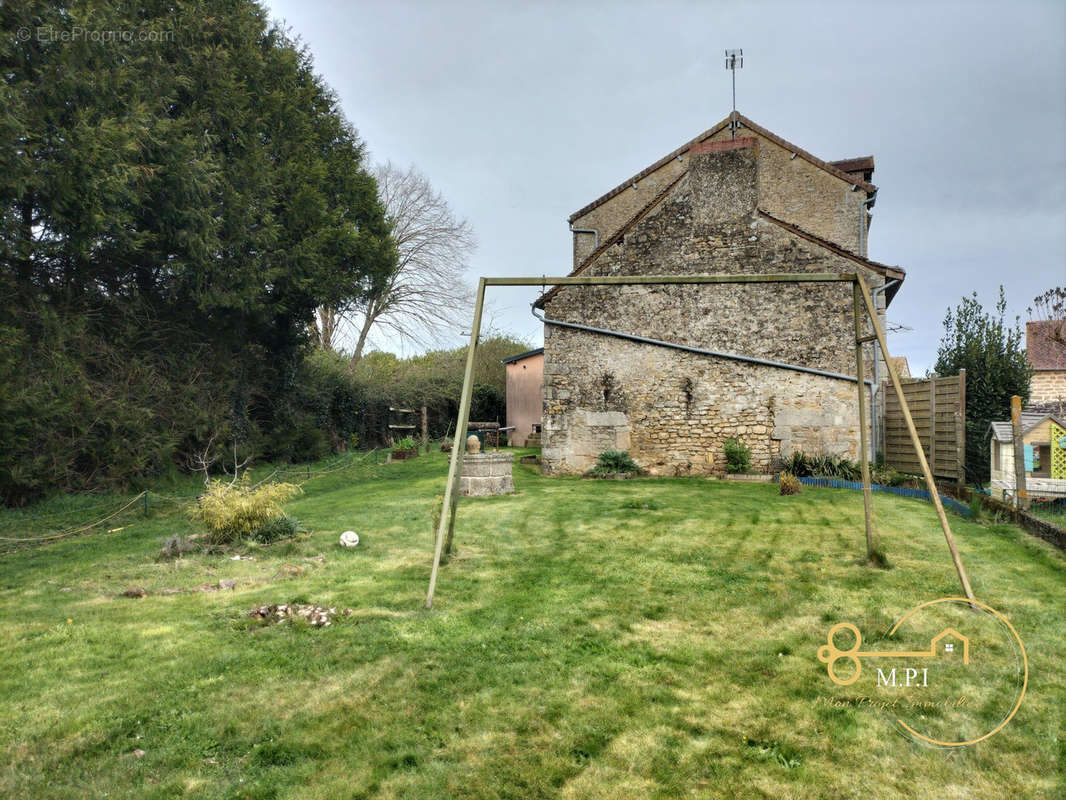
(938, 408)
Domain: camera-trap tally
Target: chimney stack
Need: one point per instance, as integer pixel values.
(724, 180)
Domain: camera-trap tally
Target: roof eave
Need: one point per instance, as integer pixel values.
(888, 271)
(528, 354)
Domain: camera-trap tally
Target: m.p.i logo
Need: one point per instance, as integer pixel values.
(953, 671)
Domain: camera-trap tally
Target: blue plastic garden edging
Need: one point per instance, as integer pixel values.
(920, 494)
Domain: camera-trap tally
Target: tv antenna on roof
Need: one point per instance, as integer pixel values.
(734, 60)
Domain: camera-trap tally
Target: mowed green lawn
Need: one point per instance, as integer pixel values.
(646, 638)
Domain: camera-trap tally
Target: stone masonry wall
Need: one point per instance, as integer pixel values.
(791, 189)
(797, 191)
(607, 218)
(671, 409)
(1048, 386)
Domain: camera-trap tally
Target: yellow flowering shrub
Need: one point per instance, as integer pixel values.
(239, 511)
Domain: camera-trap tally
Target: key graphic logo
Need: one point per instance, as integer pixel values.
(959, 674)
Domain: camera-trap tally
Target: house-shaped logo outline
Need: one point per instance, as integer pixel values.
(952, 632)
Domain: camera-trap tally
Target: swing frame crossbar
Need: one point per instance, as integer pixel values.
(862, 301)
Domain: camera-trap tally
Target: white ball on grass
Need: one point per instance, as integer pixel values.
(349, 539)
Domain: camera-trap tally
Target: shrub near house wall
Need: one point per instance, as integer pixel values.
(614, 462)
(737, 457)
(790, 484)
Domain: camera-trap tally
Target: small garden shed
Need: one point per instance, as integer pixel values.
(1044, 439)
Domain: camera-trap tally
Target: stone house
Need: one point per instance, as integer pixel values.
(525, 372)
(1046, 352)
(1044, 449)
(736, 199)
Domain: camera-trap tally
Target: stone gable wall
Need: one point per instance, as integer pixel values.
(674, 410)
(791, 189)
(607, 218)
(796, 191)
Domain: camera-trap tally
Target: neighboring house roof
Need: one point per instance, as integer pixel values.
(1003, 431)
(831, 167)
(520, 356)
(1044, 344)
(1053, 408)
(865, 165)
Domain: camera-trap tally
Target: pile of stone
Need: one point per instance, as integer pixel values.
(316, 616)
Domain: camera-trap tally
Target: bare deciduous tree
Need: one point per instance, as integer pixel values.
(425, 295)
(202, 460)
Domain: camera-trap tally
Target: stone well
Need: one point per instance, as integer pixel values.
(486, 474)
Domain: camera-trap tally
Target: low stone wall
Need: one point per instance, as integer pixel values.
(1047, 531)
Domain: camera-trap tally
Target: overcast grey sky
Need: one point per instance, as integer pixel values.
(521, 113)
